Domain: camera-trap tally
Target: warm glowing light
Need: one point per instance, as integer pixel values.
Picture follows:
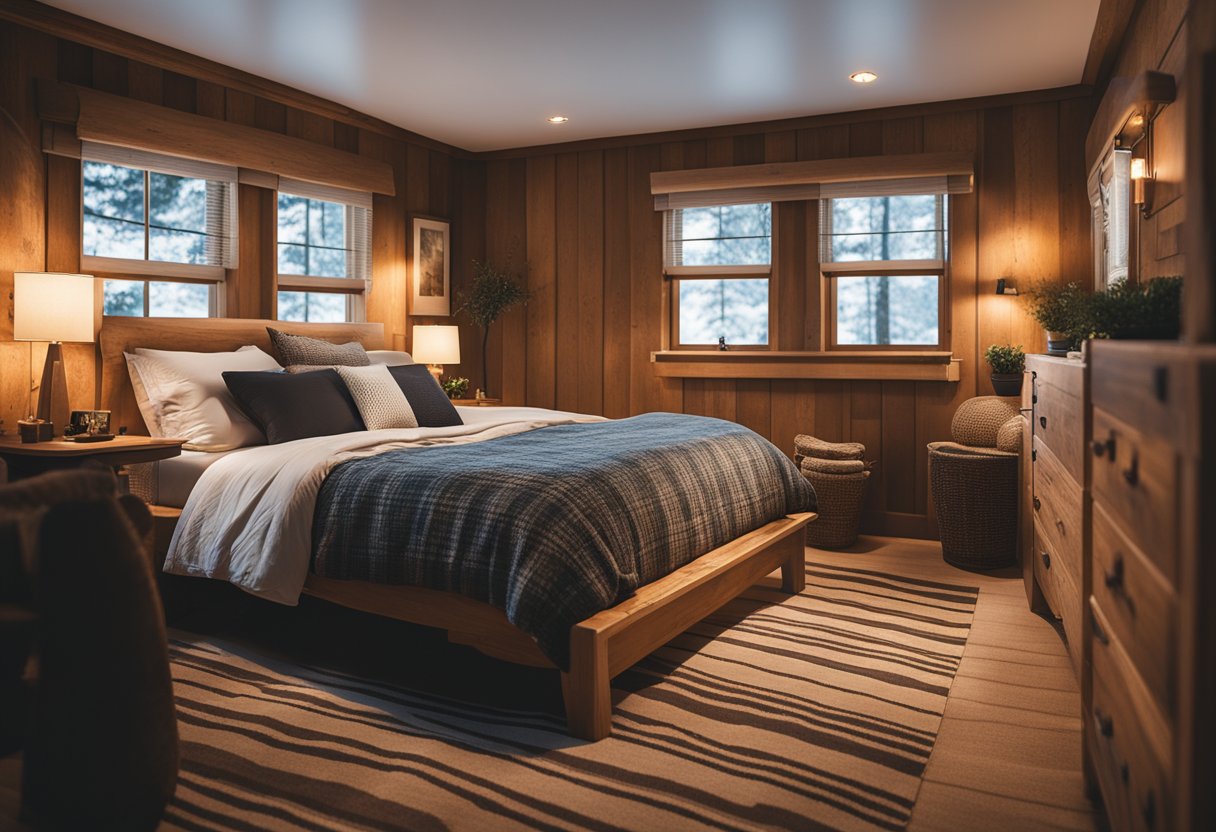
(1139, 169)
(863, 77)
(557, 119)
(1136, 120)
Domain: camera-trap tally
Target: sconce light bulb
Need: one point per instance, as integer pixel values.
(1139, 169)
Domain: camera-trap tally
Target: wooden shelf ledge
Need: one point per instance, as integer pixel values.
(868, 365)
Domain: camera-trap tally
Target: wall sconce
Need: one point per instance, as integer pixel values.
(1141, 183)
(1004, 286)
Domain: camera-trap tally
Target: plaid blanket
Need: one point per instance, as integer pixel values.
(556, 524)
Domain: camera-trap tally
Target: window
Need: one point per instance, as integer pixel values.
(719, 259)
(145, 217)
(324, 252)
(884, 257)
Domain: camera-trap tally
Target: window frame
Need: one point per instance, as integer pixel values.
(939, 267)
(354, 287)
(674, 274)
(215, 298)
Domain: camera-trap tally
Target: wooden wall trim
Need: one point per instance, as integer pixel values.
(1114, 16)
(839, 119)
(126, 122)
(1125, 97)
(88, 32)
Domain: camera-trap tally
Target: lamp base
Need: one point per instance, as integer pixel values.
(437, 372)
(53, 391)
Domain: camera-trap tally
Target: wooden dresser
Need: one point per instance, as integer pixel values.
(1148, 721)
(1055, 538)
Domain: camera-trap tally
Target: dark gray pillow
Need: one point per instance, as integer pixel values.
(287, 406)
(300, 349)
(430, 404)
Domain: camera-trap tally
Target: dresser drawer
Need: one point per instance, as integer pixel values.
(1130, 741)
(1059, 423)
(1058, 506)
(1135, 480)
(1054, 574)
(1145, 385)
(1139, 606)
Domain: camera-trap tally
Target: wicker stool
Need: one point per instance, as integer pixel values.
(975, 485)
(836, 472)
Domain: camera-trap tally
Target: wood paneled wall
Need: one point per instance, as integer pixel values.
(40, 198)
(1156, 39)
(584, 222)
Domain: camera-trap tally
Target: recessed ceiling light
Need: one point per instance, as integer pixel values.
(557, 119)
(863, 77)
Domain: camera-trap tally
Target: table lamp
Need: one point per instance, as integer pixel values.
(53, 307)
(436, 346)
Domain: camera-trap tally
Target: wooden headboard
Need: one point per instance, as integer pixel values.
(119, 335)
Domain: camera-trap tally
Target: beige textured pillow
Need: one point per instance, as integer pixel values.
(300, 349)
(1009, 437)
(378, 397)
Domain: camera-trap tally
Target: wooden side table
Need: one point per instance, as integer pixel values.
(478, 402)
(31, 459)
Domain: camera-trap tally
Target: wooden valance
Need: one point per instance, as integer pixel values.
(112, 119)
(782, 181)
(1126, 110)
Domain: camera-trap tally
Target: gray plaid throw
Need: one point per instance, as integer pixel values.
(556, 524)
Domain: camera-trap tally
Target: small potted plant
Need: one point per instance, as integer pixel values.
(456, 388)
(495, 290)
(1060, 308)
(1008, 364)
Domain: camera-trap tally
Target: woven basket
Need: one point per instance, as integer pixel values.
(839, 498)
(975, 492)
(806, 445)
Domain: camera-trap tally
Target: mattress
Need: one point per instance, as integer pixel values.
(168, 482)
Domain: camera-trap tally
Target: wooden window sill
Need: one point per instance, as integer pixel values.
(868, 365)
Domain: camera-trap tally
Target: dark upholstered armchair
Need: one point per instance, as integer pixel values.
(96, 722)
(974, 480)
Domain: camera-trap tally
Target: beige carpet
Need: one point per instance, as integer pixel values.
(818, 711)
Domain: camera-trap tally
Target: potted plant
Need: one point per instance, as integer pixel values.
(456, 388)
(495, 289)
(1149, 311)
(1008, 364)
(1060, 309)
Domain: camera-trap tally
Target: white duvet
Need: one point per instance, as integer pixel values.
(249, 518)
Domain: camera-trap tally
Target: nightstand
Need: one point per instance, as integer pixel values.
(477, 402)
(30, 459)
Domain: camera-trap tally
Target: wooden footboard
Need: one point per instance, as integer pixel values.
(608, 642)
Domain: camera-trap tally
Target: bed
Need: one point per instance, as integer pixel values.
(600, 646)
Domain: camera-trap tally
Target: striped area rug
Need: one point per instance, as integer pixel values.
(812, 712)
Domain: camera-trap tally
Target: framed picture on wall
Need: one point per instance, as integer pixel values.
(431, 285)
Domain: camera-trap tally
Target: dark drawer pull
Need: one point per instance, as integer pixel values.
(1106, 725)
(1161, 383)
(1046, 559)
(1114, 578)
(1132, 474)
(1099, 633)
(1106, 447)
(1149, 810)
(1037, 504)
(1043, 422)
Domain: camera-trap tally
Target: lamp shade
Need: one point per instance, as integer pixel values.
(437, 344)
(48, 306)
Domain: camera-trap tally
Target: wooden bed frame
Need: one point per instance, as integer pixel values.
(601, 646)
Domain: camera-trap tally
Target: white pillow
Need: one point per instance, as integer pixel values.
(378, 397)
(146, 408)
(393, 358)
(189, 400)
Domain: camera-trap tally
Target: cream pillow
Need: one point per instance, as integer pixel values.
(393, 358)
(146, 408)
(187, 397)
(378, 397)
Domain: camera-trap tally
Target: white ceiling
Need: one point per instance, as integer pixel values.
(484, 74)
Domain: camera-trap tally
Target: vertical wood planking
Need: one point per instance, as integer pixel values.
(1036, 220)
(541, 310)
(646, 391)
(590, 371)
(997, 251)
(566, 229)
(617, 284)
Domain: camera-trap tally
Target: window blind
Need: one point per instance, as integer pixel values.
(220, 230)
(358, 242)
